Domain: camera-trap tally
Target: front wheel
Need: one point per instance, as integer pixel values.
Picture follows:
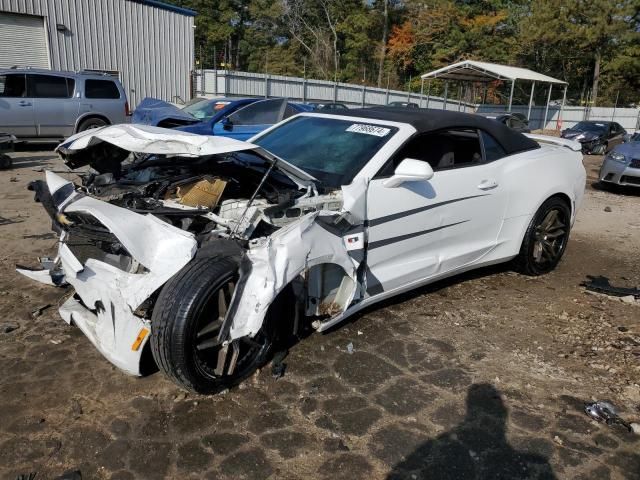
(546, 238)
(185, 324)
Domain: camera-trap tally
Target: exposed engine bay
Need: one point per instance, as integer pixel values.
(232, 193)
(236, 195)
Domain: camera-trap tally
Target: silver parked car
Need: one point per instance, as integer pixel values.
(49, 105)
(622, 165)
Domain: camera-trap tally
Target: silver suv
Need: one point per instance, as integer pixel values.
(45, 105)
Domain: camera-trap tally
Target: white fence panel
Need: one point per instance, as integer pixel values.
(236, 84)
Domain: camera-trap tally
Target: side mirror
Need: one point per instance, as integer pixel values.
(227, 124)
(410, 170)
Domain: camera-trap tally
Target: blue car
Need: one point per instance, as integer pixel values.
(239, 118)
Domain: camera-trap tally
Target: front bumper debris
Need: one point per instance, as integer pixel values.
(106, 297)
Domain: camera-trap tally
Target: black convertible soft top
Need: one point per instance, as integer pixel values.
(426, 120)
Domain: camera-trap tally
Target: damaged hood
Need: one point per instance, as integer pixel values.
(118, 141)
(151, 111)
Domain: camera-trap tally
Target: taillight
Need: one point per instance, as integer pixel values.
(127, 112)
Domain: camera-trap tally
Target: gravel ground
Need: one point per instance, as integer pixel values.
(480, 376)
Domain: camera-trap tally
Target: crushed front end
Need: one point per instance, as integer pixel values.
(153, 202)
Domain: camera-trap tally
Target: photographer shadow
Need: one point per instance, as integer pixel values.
(475, 449)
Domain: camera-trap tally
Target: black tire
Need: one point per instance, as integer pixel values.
(5, 162)
(543, 245)
(90, 123)
(182, 313)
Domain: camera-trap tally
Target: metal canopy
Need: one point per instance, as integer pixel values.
(473, 71)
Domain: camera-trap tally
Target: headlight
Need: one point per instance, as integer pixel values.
(618, 157)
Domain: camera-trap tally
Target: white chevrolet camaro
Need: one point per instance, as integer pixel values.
(200, 254)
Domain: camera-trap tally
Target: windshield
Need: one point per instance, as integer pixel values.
(204, 109)
(590, 127)
(331, 150)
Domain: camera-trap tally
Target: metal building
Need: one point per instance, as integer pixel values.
(148, 44)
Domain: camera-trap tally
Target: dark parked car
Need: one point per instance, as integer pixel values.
(236, 118)
(515, 121)
(403, 104)
(327, 107)
(596, 137)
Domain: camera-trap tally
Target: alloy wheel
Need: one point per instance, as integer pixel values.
(220, 360)
(550, 237)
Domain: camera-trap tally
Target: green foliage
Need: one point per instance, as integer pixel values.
(567, 39)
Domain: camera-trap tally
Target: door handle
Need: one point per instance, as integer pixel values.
(487, 184)
(24, 103)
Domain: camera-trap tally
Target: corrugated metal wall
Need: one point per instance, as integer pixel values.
(151, 47)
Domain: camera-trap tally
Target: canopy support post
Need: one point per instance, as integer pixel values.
(484, 95)
(533, 86)
(513, 84)
(546, 109)
(564, 100)
(421, 91)
(446, 90)
(428, 92)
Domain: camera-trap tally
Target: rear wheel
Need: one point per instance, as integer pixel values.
(90, 123)
(546, 238)
(186, 321)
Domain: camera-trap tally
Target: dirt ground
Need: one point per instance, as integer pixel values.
(481, 376)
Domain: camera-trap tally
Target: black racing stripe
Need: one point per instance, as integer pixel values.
(388, 241)
(62, 193)
(395, 216)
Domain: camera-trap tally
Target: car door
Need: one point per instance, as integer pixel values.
(422, 229)
(55, 107)
(252, 119)
(102, 96)
(16, 108)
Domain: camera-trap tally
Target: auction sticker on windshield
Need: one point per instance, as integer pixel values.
(368, 129)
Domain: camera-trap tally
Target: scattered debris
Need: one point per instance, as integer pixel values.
(359, 332)
(277, 365)
(558, 440)
(607, 209)
(605, 412)
(635, 428)
(13, 179)
(350, 348)
(27, 476)
(601, 284)
(70, 475)
(9, 327)
(38, 311)
(76, 408)
(9, 221)
(628, 299)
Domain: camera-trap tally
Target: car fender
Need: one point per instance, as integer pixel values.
(274, 262)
